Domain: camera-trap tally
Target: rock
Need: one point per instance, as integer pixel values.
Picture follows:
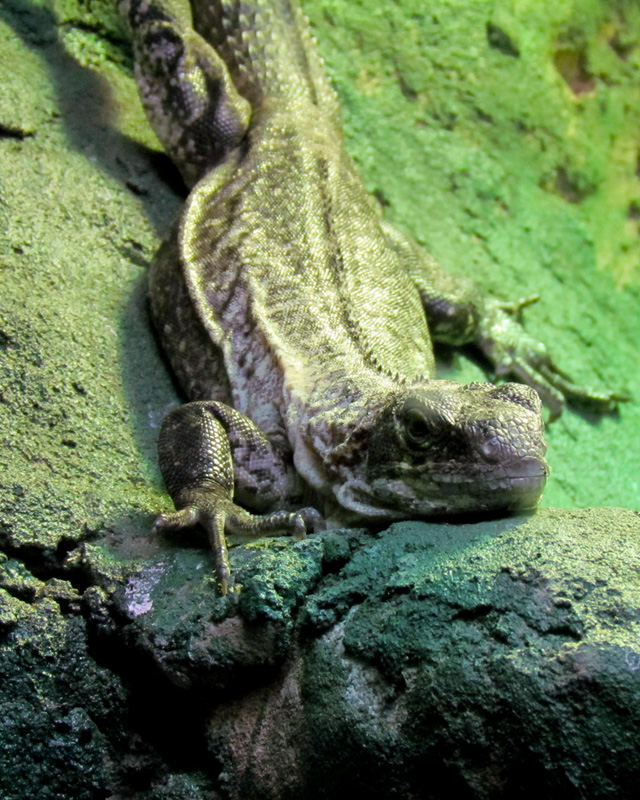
(491, 659)
(59, 709)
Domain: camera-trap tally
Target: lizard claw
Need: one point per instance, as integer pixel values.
(512, 351)
(515, 307)
(219, 515)
(177, 520)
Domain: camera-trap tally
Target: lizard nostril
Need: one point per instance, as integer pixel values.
(492, 448)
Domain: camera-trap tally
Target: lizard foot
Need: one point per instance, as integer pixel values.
(512, 351)
(220, 516)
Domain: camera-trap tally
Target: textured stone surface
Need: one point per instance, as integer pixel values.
(58, 708)
(498, 658)
(486, 663)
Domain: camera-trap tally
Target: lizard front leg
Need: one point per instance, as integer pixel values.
(209, 454)
(460, 313)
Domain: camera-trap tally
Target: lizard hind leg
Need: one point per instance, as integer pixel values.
(198, 444)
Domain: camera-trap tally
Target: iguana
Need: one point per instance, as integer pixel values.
(298, 320)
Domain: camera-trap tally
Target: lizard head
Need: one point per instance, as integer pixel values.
(447, 448)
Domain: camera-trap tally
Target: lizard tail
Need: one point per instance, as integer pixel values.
(269, 50)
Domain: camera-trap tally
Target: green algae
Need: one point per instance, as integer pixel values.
(276, 581)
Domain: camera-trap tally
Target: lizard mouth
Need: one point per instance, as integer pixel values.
(516, 485)
(440, 491)
(526, 474)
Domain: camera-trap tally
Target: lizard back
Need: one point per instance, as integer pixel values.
(290, 272)
(288, 264)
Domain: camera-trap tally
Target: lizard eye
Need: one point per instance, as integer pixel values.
(417, 427)
(426, 426)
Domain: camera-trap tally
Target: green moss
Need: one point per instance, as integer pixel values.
(278, 578)
(522, 107)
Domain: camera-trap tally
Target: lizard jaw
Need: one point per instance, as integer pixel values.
(431, 492)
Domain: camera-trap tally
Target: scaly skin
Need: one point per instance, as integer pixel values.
(294, 316)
